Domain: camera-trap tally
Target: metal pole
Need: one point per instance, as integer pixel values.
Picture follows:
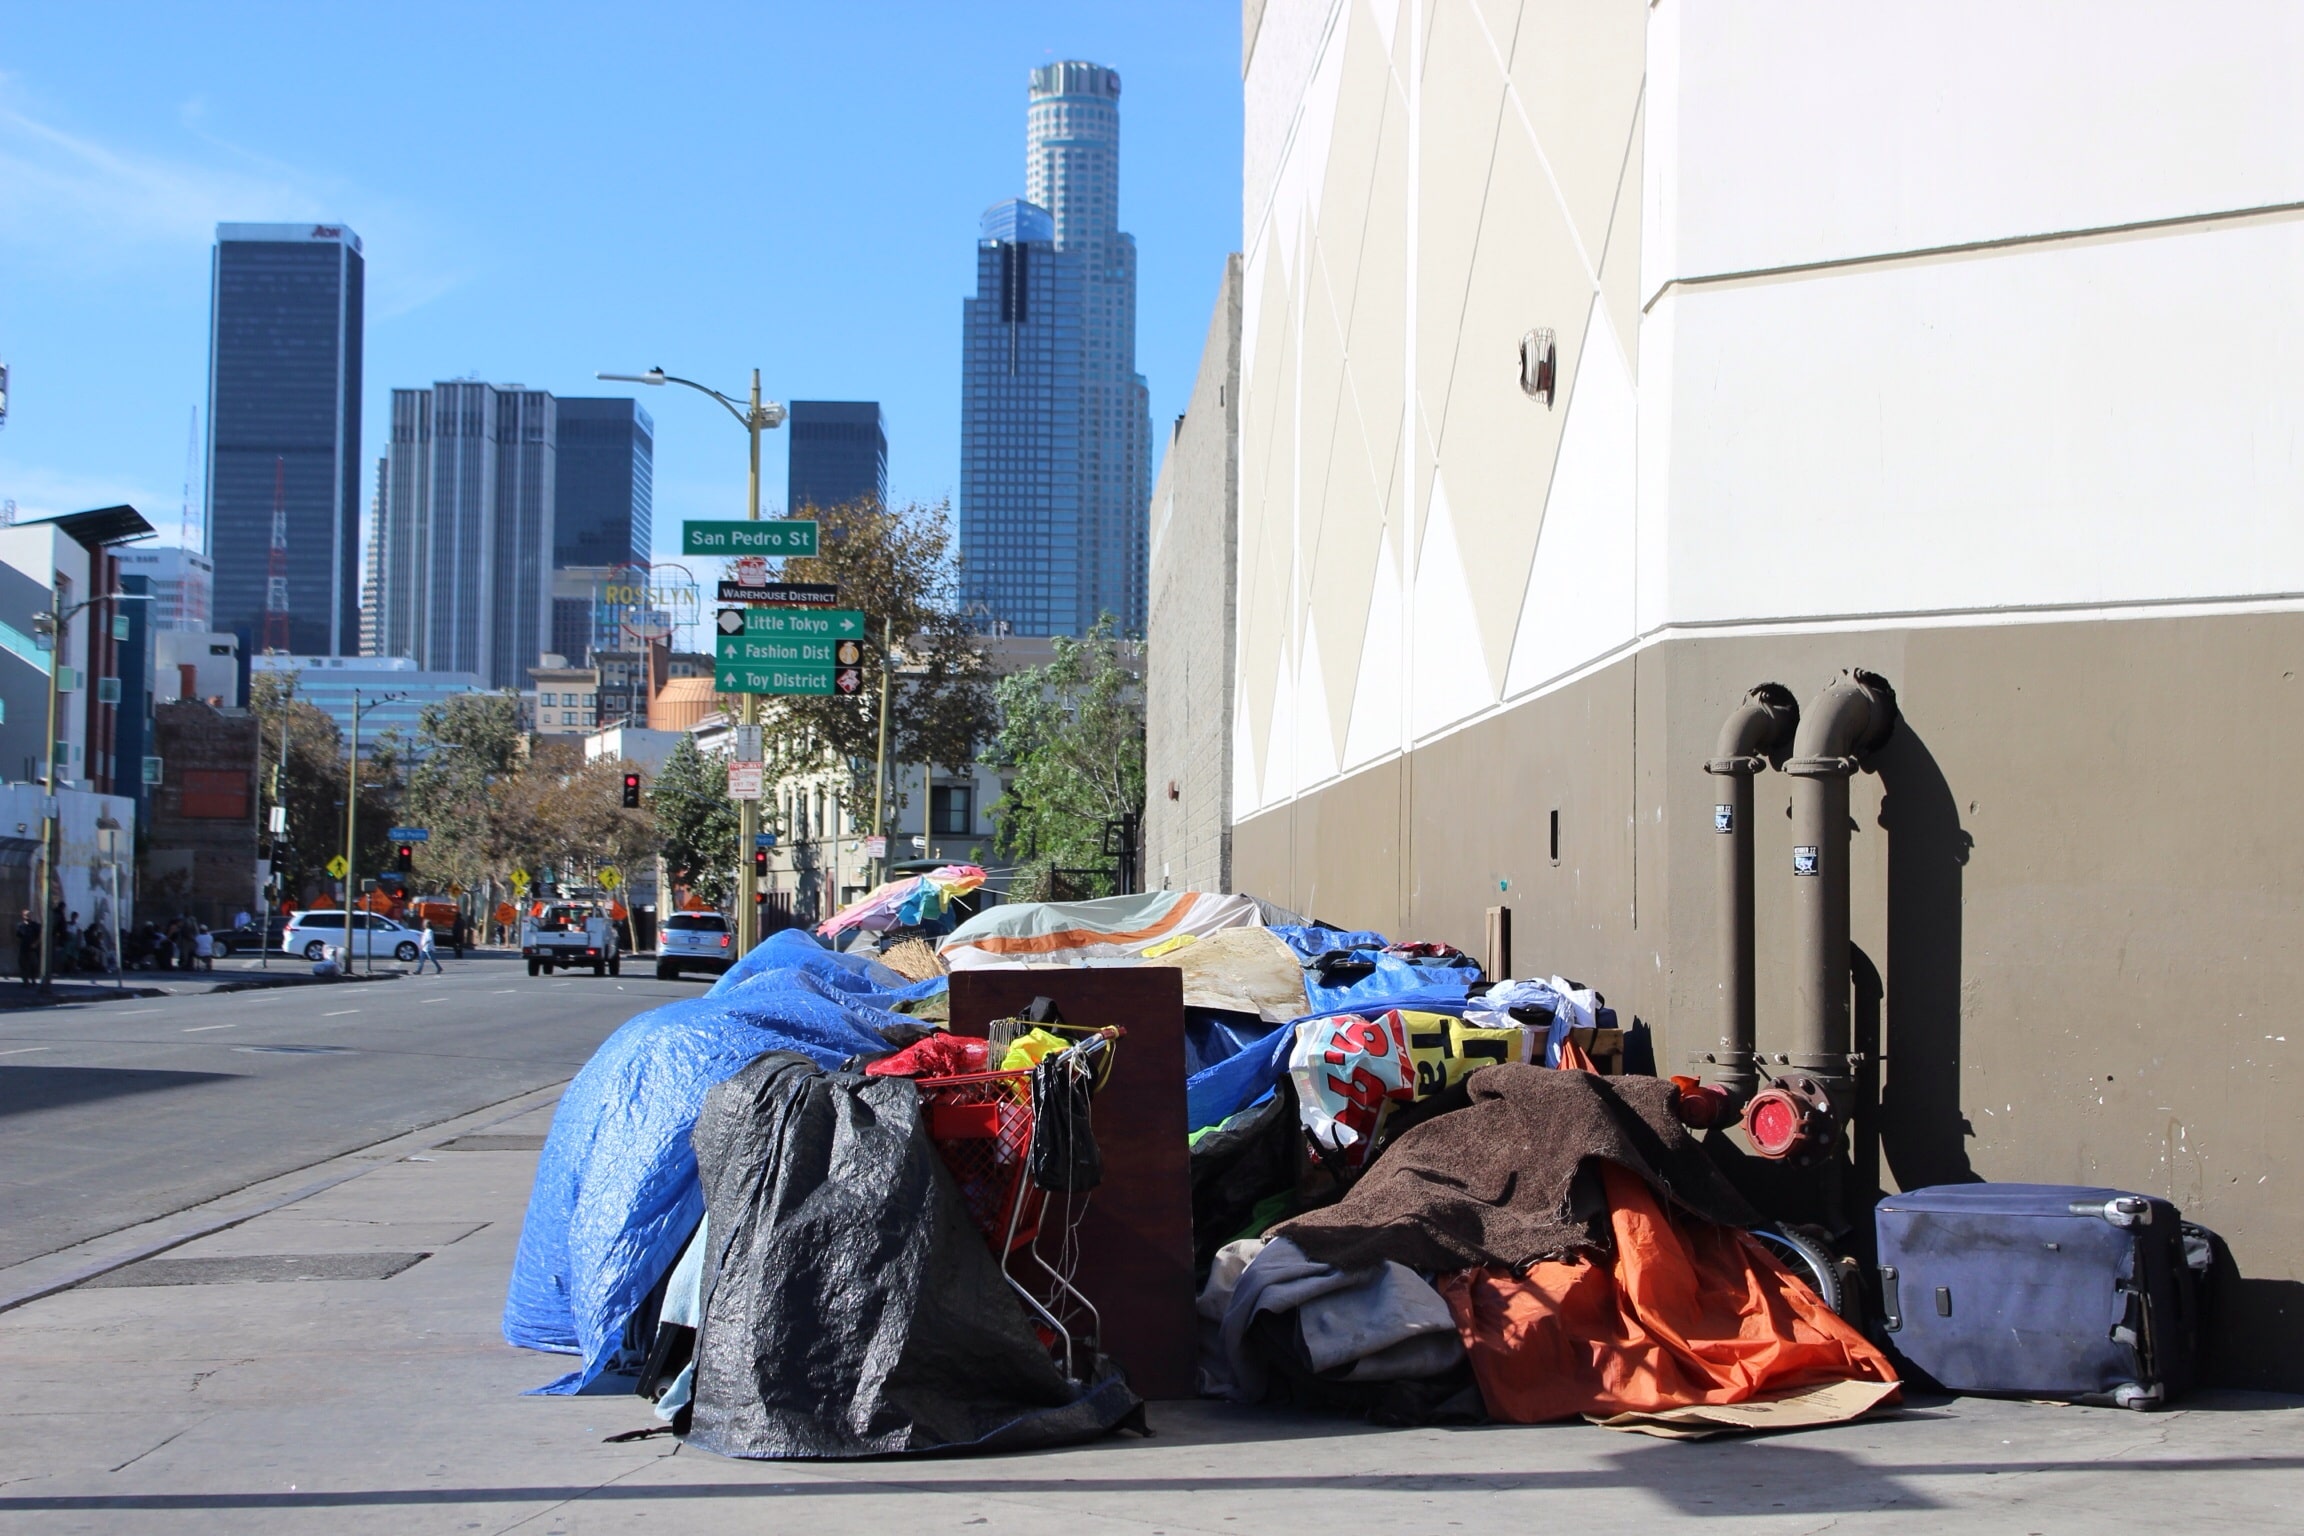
(48, 799)
(880, 763)
(351, 821)
(748, 712)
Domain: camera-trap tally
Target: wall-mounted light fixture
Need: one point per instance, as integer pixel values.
(1539, 362)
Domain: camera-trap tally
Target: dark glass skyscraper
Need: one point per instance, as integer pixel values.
(1056, 424)
(468, 515)
(839, 454)
(284, 411)
(604, 497)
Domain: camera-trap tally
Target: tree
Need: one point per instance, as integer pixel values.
(468, 746)
(696, 822)
(897, 566)
(1071, 742)
(312, 784)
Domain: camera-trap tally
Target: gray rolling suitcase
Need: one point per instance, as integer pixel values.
(2042, 1290)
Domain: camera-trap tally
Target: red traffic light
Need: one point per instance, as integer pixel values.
(760, 861)
(407, 856)
(631, 791)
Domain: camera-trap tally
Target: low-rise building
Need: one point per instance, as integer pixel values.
(567, 698)
(392, 692)
(200, 854)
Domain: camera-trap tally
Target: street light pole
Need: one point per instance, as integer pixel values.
(55, 625)
(351, 821)
(756, 417)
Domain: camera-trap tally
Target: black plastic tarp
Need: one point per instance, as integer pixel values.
(850, 1309)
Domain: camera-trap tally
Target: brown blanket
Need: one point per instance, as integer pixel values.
(1514, 1177)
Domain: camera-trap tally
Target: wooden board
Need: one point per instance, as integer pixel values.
(1136, 1239)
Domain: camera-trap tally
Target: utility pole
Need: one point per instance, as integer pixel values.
(880, 763)
(351, 821)
(58, 623)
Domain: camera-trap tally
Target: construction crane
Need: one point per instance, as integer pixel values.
(276, 637)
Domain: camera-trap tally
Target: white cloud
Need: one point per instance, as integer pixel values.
(42, 492)
(74, 202)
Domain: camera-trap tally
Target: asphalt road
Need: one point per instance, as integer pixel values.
(113, 1114)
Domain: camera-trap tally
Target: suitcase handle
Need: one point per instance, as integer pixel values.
(2120, 1210)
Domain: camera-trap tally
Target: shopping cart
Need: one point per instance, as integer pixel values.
(983, 1126)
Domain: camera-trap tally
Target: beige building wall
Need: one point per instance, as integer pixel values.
(1951, 341)
(1191, 622)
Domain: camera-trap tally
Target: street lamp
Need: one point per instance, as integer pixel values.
(756, 416)
(50, 631)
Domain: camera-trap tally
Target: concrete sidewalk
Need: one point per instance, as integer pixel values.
(186, 1394)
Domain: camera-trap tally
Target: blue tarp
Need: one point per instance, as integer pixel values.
(616, 1193)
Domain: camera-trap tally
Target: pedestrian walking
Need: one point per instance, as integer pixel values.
(425, 951)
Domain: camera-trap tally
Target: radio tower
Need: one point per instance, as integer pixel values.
(276, 588)
(191, 448)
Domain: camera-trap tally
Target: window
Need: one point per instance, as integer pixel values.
(548, 700)
(951, 810)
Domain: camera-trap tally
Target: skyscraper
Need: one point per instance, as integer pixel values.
(1056, 426)
(604, 497)
(468, 530)
(839, 454)
(284, 417)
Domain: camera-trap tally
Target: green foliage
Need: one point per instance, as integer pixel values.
(312, 785)
(897, 566)
(1071, 744)
(496, 801)
(696, 822)
(469, 745)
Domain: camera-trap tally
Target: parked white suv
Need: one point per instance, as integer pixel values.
(311, 934)
(693, 941)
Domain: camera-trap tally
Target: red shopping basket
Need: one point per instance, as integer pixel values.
(981, 1124)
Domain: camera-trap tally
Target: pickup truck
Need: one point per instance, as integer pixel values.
(570, 935)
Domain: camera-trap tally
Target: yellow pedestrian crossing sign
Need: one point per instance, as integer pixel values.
(520, 880)
(610, 877)
(337, 868)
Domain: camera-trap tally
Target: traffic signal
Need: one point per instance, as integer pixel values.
(760, 862)
(407, 857)
(631, 791)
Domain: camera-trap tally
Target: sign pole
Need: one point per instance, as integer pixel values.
(351, 818)
(880, 763)
(748, 811)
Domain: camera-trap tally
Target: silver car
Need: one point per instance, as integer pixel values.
(694, 941)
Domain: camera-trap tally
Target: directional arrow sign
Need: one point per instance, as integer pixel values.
(767, 650)
(794, 623)
(819, 680)
(748, 538)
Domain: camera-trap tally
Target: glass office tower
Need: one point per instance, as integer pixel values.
(1056, 424)
(468, 530)
(839, 454)
(604, 495)
(284, 416)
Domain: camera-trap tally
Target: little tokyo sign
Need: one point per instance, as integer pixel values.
(793, 623)
(820, 680)
(748, 538)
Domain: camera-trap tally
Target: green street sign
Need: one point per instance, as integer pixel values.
(794, 623)
(813, 680)
(769, 651)
(748, 538)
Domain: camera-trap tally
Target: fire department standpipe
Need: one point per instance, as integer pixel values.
(759, 416)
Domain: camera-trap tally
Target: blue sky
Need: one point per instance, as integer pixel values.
(547, 190)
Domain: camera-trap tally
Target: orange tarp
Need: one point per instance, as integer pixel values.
(1684, 1312)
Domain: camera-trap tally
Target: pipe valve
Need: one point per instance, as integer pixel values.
(1793, 1119)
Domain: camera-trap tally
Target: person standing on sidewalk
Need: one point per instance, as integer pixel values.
(425, 951)
(28, 948)
(204, 948)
